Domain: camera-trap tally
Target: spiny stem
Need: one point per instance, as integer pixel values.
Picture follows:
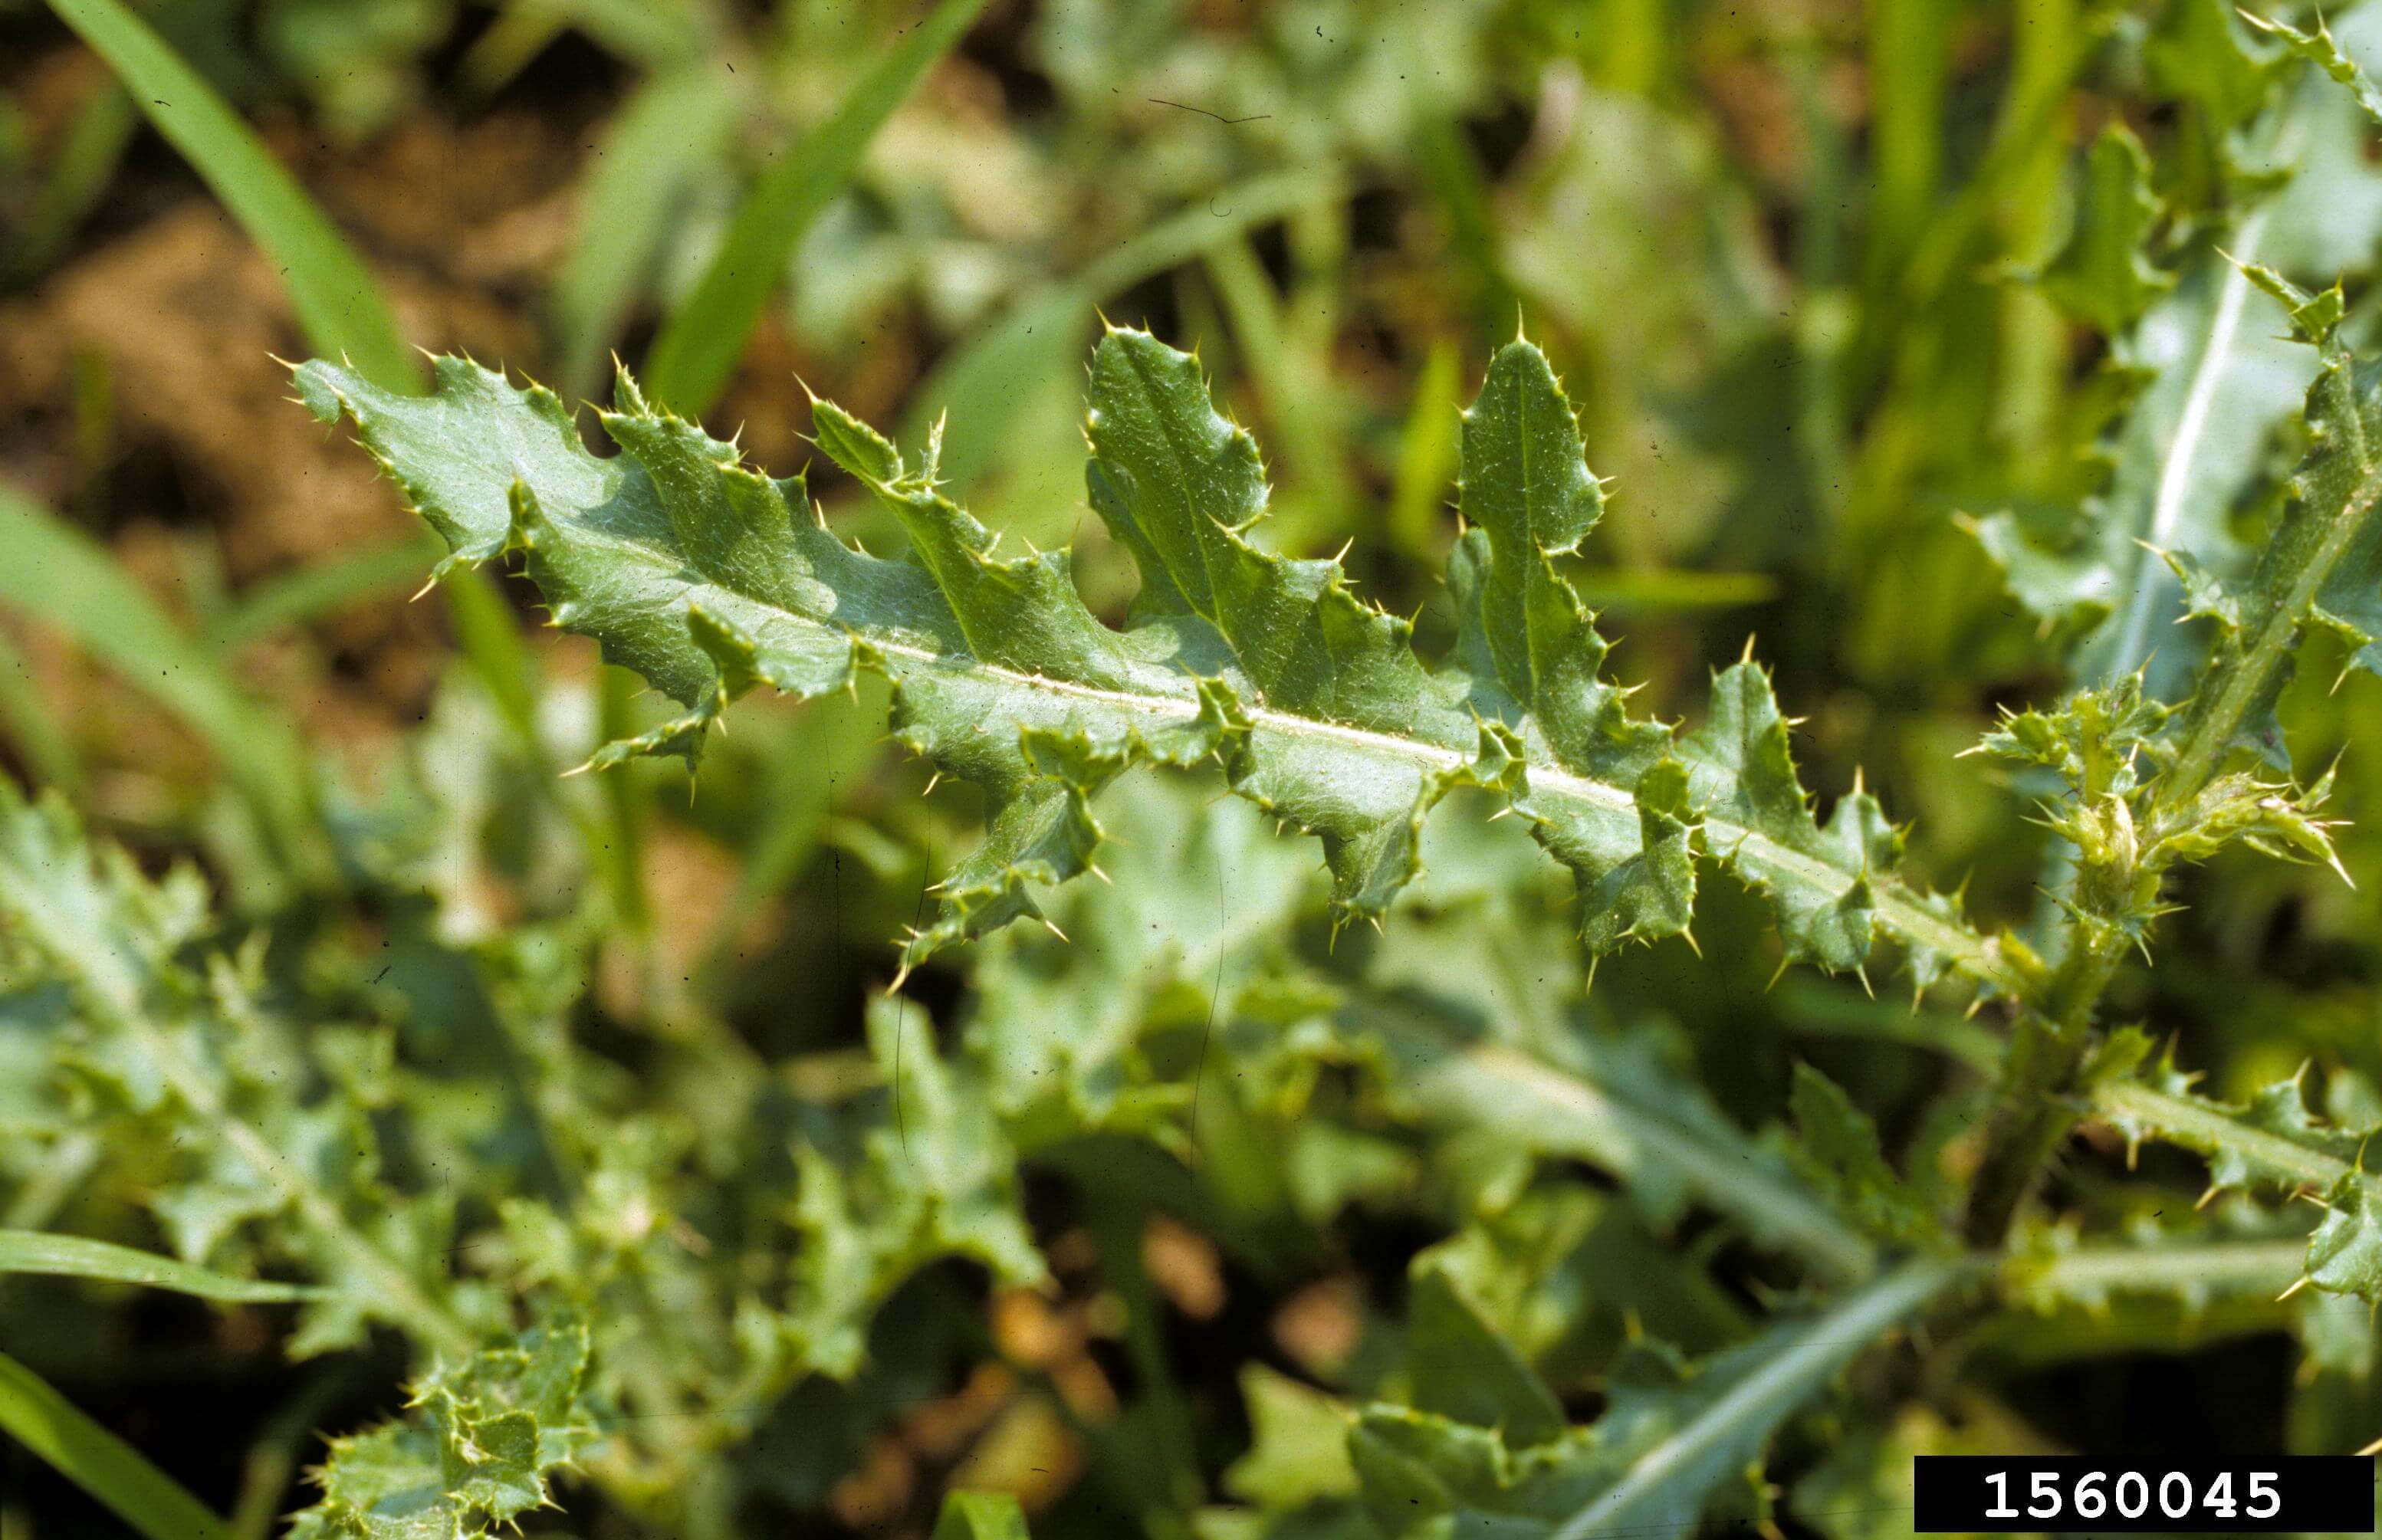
(2048, 1048)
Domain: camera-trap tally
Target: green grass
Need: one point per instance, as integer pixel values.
(154, 1503)
(338, 302)
(698, 347)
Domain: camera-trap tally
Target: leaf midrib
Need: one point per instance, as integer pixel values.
(2175, 475)
(1904, 917)
(2180, 1118)
(1721, 1182)
(1823, 1343)
(2243, 682)
(2148, 1270)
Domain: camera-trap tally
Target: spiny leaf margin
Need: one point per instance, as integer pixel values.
(696, 572)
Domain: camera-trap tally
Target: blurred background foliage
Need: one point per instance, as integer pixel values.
(1833, 287)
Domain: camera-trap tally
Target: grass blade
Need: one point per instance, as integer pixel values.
(978, 387)
(25, 1250)
(33, 727)
(699, 345)
(85, 164)
(652, 150)
(95, 1459)
(323, 588)
(338, 304)
(56, 572)
(1427, 457)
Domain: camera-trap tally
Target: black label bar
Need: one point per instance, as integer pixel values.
(2078, 1494)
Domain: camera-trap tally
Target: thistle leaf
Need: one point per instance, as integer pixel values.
(2272, 1142)
(2323, 50)
(2201, 54)
(2100, 275)
(2219, 380)
(1670, 1435)
(1741, 769)
(181, 1060)
(1205, 900)
(2322, 567)
(936, 1180)
(1465, 1371)
(1617, 1104)
(2056, 1268)
(701, 575)
(474, 1451)
(1837, 1151)
(1298, 1443)
(2219, 377)
(1538, 661)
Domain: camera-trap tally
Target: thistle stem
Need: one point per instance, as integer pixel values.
(2048, 1049)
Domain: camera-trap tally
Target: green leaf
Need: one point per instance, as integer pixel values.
(1741, 771)
(84, 166)
(1298, 1443)
(2096, 742)
(1198, 908)
(700, 343)
(2219, 375)
(321, 588)
(2058, 1268)
(73, 1256)
(1863, 1487)
(703, 576)
(652, 155)
(1197, 926)
(936, 1180)
(1670, 1435)
(2323, 565)
(182, 1062)
(1837, 1151)
(52, 571)
(2199, 53)
(474, 1451)
(2103, 744)
(2220, 379)
(981, 1516)
(1537, 660)
(2100, 275)
(2274, 1141)
(337, 301)
(2321, 49)
(1465, 1371)
(95, 1459)
(1617, 1103)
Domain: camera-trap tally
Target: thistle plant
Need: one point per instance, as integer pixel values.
(710, 579)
